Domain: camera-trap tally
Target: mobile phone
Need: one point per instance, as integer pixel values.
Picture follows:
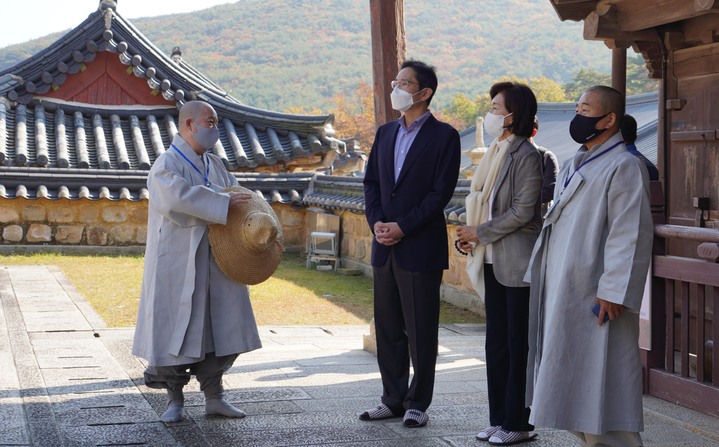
(595, 310)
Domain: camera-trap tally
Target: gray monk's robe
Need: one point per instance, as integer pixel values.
(596, 242)
(188, 307)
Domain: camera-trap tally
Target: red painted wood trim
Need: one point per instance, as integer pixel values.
(106, 81)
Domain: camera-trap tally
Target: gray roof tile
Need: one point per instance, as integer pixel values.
(37, 131)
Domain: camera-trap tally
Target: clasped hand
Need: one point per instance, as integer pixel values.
(387, 233)
(467, 237)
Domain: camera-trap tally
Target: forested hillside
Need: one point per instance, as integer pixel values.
(279, 54)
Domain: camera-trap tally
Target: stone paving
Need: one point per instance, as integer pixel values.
(67, 380)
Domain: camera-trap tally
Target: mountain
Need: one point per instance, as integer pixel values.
(278, 54)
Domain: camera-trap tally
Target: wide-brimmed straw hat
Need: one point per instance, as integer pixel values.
(249, 247)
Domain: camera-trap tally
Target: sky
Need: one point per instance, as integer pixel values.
(24, 20)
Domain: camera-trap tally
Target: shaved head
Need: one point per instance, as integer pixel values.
(609, 99)
(194, 110)
(195, 114)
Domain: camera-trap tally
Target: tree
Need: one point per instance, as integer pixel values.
(547, 90)
(354, 116)
(464, 111)
(584, 79)
(637, 80)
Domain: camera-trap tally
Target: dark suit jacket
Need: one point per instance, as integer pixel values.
(417, 200)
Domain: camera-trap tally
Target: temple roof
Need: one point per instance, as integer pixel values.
(103, 97)
(554, 119)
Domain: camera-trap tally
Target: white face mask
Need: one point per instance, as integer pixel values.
(401, 100)
(494, 124)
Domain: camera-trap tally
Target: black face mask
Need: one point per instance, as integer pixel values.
(583, 128)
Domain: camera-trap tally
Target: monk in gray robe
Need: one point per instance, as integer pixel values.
(584, 372)
(192, 319)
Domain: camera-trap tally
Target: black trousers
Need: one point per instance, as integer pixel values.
(506, 346)
(406, 315)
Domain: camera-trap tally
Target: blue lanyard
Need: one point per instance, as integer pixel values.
(206, 176)
(566, 182)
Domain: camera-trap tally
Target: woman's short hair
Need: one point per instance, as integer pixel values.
(520, 101)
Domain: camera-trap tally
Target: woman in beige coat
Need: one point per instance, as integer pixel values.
(503, 217)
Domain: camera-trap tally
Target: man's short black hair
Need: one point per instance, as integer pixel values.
(426, 75)
(629, 129)
(520, 101)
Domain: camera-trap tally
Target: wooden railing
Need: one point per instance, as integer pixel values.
(686, 289)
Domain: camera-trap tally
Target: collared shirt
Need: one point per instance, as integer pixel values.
(405, 138)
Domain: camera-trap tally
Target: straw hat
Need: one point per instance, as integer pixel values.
(249, 247)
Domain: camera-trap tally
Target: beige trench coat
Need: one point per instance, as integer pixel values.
(188, 307)
(596, 242)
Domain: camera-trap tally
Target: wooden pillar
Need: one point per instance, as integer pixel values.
(619, 70)
(388, 52)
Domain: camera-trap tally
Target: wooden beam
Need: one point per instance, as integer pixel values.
(617, 44)
(696, 61)
(703, 29)
(642, 14)
(685, 392)
(674, 40)
(605, 24)
(619, 70)
(706, 5)
(687, 233)
(388, 51)
(575, 10)
(687, 270)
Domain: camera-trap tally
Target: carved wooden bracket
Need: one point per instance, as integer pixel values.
(709, 251)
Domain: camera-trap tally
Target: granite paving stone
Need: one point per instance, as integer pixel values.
(129, 434)
(103, 408)
(74, 382)
(301, 436)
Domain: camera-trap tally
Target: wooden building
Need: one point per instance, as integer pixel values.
(104, 97)
(82, 121)
(679, 40)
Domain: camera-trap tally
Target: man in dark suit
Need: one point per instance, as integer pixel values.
(411, 175)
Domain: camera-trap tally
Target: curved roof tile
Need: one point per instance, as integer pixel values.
(56, 133)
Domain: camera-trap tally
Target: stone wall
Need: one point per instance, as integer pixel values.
(105, 223)
(294, 223)
(101, 222)
(73, 222)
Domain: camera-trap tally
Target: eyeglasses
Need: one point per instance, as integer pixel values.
(402, 83)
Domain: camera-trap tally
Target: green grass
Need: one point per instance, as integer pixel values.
(294, 295)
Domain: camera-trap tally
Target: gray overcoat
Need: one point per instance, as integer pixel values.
(516, 218)
(596, 242)
(188, 307)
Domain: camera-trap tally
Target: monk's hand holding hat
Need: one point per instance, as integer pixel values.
(249, 247)
(238, 198)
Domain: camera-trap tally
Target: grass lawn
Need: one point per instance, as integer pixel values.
(294, 295)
